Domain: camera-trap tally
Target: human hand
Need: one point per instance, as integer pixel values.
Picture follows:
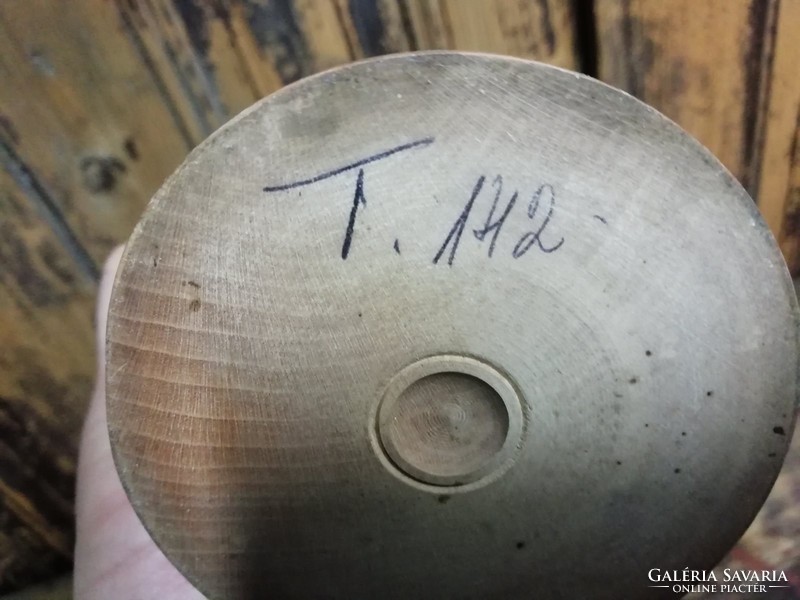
(114, 556)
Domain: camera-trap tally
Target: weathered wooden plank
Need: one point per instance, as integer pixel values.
(261, 69)
(329, 35)
(216, 58)
(779, 177)
(378, 27)
(789, 236)
(274, 39)
(285, 40)
(704, 64)
(46, 369)
(158, 31)
(193, 48)
(306, 36)
(543, 30)
(82, 110)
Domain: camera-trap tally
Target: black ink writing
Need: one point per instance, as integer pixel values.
(540, 211)
(349, 167)
(458, 227)
(358, 200)
(544, 196)
(495, 226)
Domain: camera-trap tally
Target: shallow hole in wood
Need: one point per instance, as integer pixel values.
(446, 424)
(448, 421)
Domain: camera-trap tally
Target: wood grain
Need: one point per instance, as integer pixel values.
(276, 313)
(543, 30)
(85, 137)
(703, 64)
(789, 236)
(46, 371)
(91, 122)
(102, 99)
(726, 72)
(779, 179)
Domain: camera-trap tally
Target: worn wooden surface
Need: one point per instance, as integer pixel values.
(101, 99)
(778, 189)
(46, 369)
(726, 71)
(306, 411)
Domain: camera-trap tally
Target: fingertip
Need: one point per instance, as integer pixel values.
(103, 301)
(104, 294)
(112, 261)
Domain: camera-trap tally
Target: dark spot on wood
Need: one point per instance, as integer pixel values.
(155, 261)
(18, 264)
(619, 463)
(677, 79)
(195, 305)
(683, 433)
(194, 284)
(8, 130)
(130, 148)
(636, 43)
(547, 26)
(647, 424)
(195, 24)
(586, 34)
(791, 216)
(601, 219)
(100, 173)
(677, 471)
(648, 353)
(367, 22)
(633, 380)
(397, 246)
(444, 499)
(757, 64)
(221, 12)
(710, 393)
(772, 454)
(520, 545)
(56, 260)
(408, 25)
(41, 62)
(275, 28)
(779, 430)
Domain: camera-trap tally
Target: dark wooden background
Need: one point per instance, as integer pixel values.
(100, 100)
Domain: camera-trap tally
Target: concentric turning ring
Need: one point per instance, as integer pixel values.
(449, 420)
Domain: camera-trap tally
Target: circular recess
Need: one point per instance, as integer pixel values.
(449, 420)
(448, 325)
